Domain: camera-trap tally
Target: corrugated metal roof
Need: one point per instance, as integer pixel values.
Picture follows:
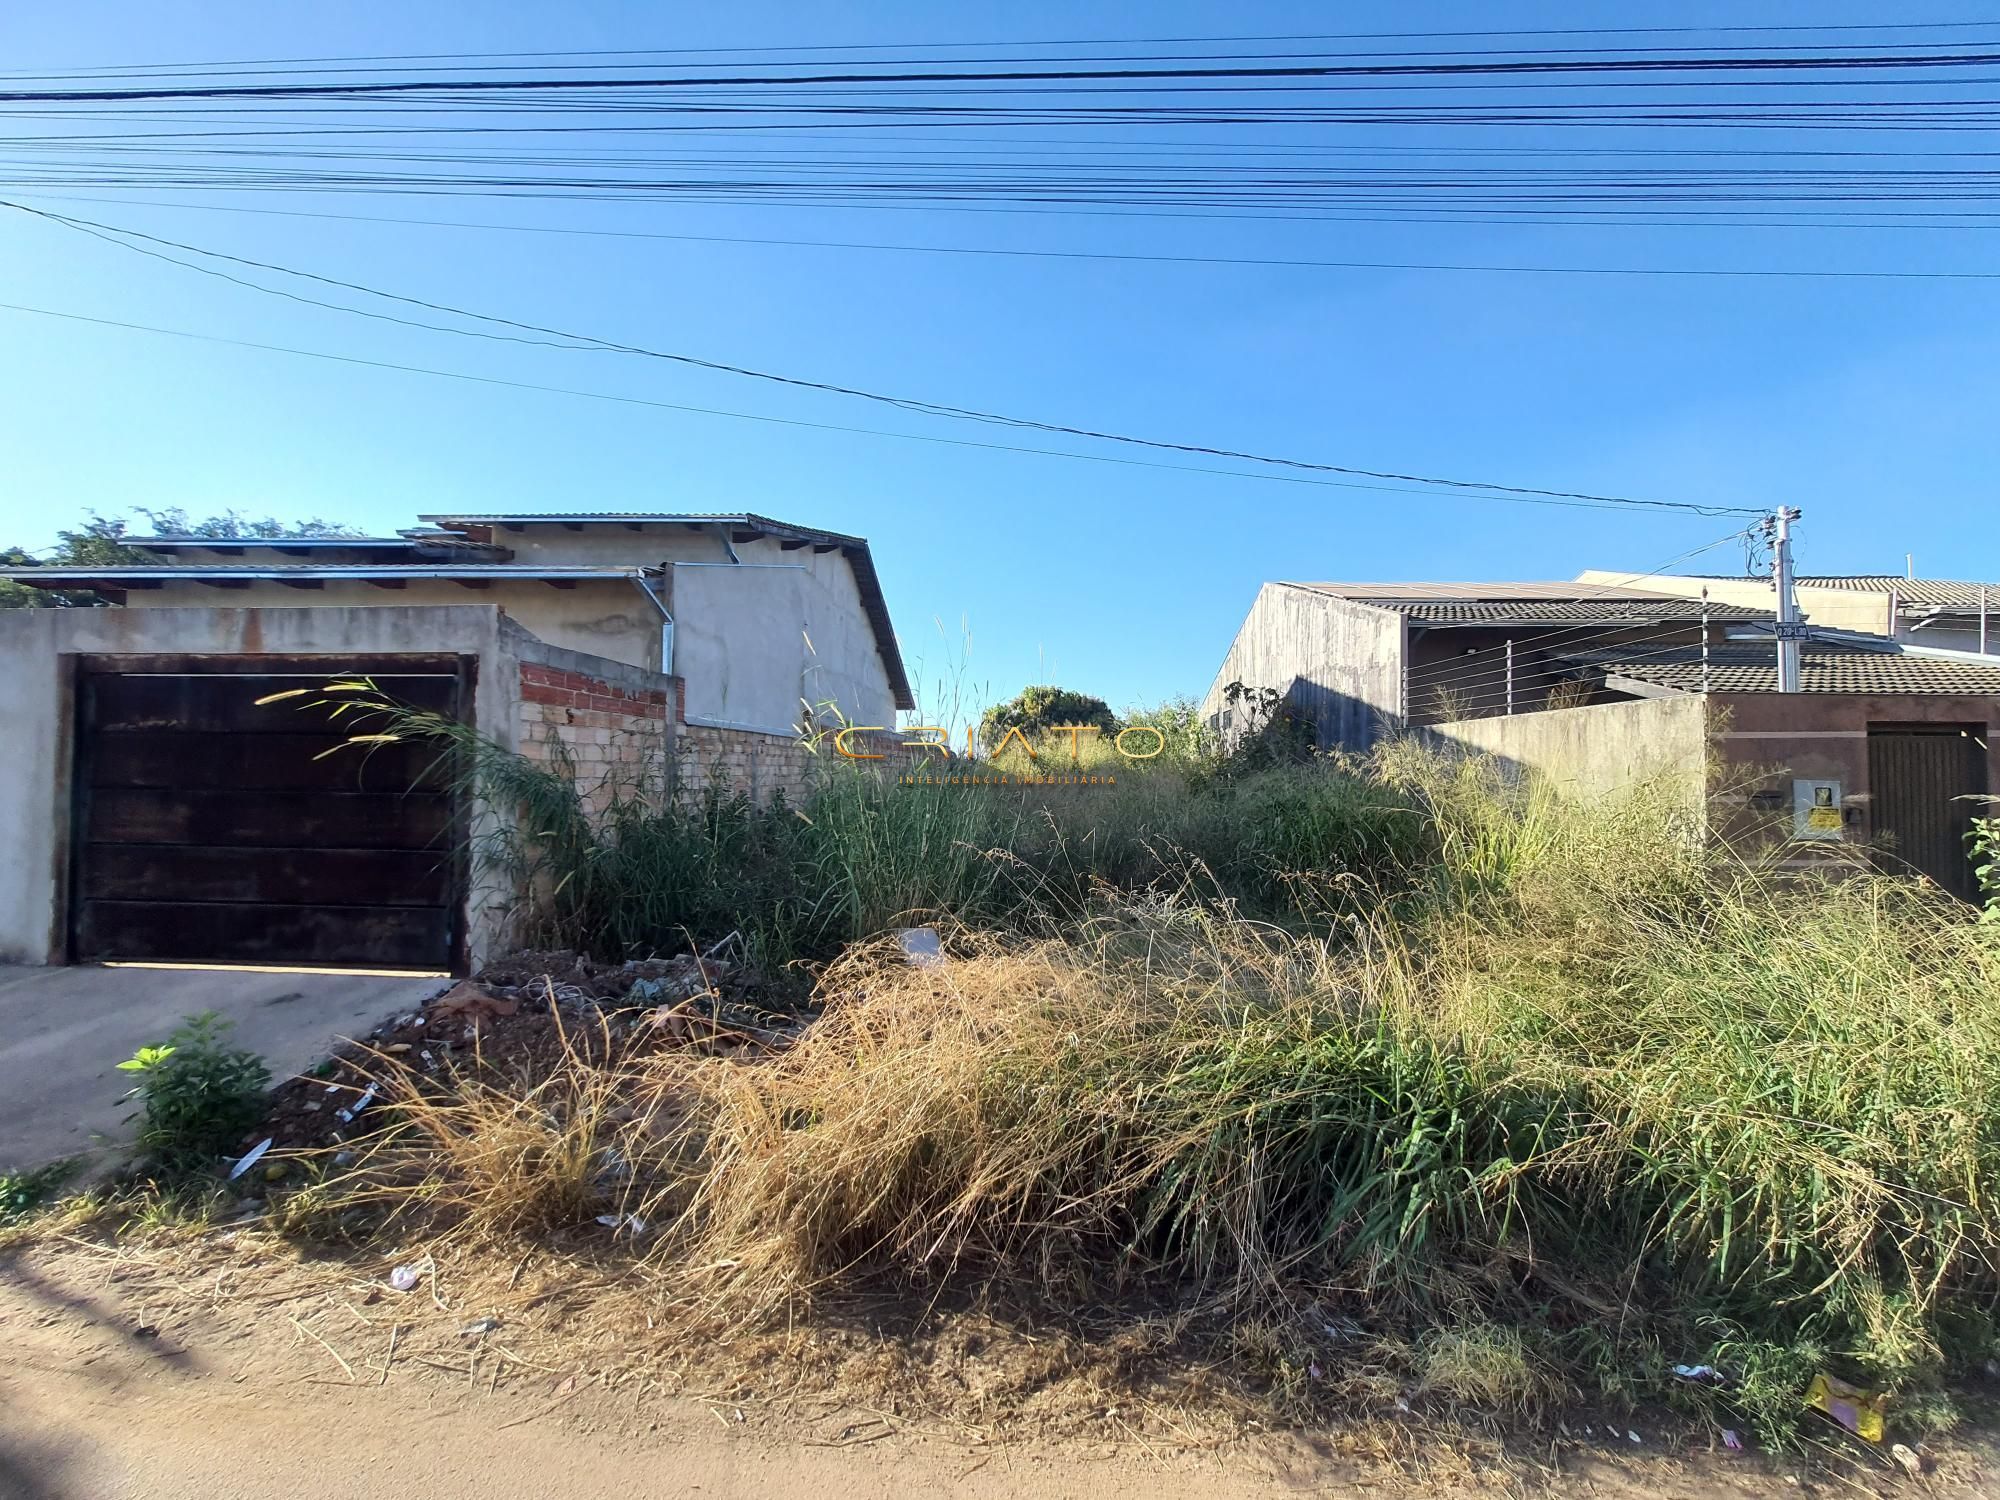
(1554, 589)
(1944, 593)
(80, 577)
(1528, 603)
(1823, 668)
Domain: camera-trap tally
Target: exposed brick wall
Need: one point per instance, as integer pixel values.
(613, 733)
(762, 765)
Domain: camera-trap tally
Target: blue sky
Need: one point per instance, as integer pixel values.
(1868, 403)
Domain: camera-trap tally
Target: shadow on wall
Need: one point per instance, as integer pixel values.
(1335, 719)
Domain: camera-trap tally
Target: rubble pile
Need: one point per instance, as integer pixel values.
(522, 1013)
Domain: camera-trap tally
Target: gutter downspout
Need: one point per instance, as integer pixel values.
(666, 623)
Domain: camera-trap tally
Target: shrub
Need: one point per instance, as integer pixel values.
(1039, 711)
(197, 1095)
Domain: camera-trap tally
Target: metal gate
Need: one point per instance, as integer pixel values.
(211, 828)
(1917, 774)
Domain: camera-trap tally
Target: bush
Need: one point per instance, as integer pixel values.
(197, 1096)
(1039, 711)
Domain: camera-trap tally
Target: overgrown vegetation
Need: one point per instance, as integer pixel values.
(21, 1193)
(1038, 712)
(197, 1095)
(1521, 1097)
(1983, 843)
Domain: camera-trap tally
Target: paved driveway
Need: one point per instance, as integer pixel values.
(63, 1033)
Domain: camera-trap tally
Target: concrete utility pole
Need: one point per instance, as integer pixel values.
(1791, 629)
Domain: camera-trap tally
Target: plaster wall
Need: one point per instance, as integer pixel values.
(1338, 664)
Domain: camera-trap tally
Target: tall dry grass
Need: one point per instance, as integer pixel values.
(1580, 1096)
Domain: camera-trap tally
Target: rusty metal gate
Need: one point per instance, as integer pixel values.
(1917, 776)
(208, 827)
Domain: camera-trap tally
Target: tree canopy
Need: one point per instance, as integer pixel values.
(99, 541)
(1037, 711)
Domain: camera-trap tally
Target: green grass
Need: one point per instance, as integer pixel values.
(1545, 1095)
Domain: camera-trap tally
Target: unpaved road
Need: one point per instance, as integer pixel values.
(91, 1413)
(98, 1404)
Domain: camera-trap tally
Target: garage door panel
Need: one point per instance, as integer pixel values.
(286, 877)
(263, 762)
(351, 820)
(199, 932)
(231, 702)
(210, 828)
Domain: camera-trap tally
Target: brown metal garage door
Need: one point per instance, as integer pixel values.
(1919, 777)
(211, 829)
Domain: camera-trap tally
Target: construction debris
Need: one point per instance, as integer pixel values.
(522, 1011)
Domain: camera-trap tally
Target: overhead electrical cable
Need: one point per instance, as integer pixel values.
(1086, 255)
(1456, 492)
(923, 407)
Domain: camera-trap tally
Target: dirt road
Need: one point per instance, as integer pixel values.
(238, 1400)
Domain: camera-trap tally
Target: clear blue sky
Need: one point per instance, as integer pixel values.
(1869, 403)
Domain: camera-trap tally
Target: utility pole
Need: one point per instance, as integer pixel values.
(1704, 638)
(1791, 630)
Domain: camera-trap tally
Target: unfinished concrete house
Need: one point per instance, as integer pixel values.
(158, 811)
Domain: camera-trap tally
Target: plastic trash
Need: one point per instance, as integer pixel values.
(1700, 1374)
(404, 1278)
(1911, 1460)
(346, 1116)
(1731, 1441)
(921, 946)
(1859, 1411)
(479, 1328)
(623, 1224)
(250, 1158)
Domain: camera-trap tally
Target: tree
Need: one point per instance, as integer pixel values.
(1039, 711)
(99, 542)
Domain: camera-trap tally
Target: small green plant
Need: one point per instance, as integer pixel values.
(21, 1193)
(198, 1096)
(1984, 839)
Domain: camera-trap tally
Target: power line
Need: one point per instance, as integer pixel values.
(1105, 255)
(1490, 67)
(915, 437)
(1075, 42)
(927, 408)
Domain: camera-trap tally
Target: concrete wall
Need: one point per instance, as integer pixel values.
(761, 643)
(600, 545)
(1601, 748)
(611, 618)
(1338, 664)
(1835, 609)
(36, 715)
(1765, 740)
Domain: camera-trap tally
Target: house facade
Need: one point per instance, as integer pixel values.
(181, 792)
(1881, 754)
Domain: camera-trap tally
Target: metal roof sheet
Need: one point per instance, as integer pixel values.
(1529, 603)
(1823, 668)
(82, 577)
(1943, 593)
